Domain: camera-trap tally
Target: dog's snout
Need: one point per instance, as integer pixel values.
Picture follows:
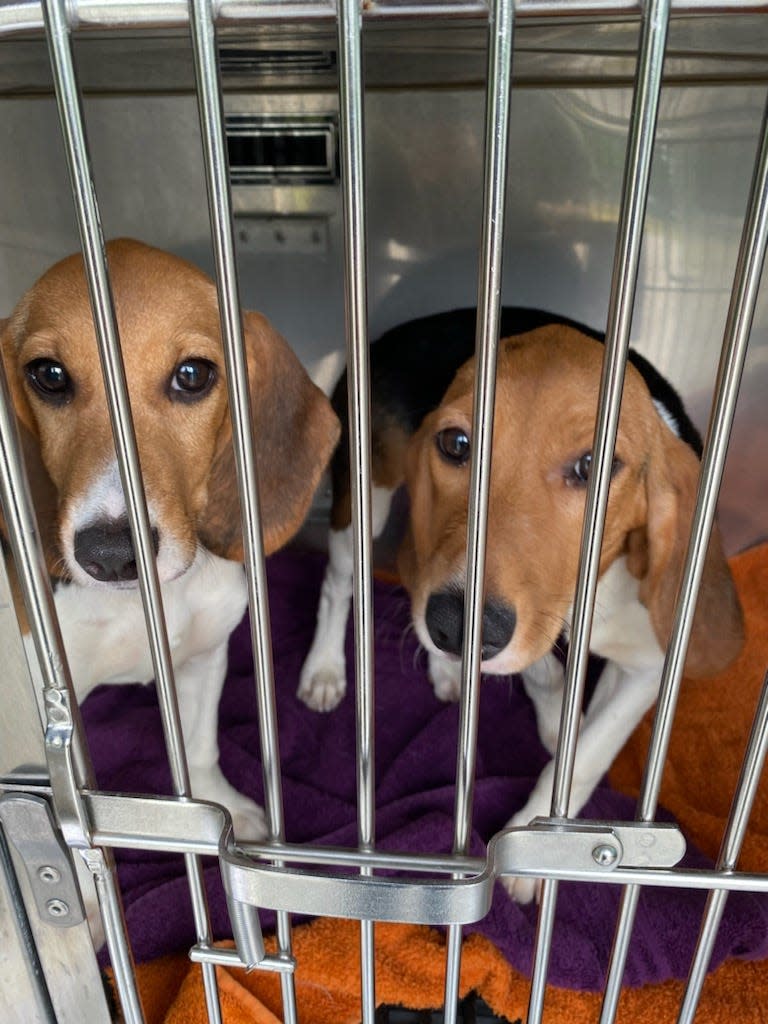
(444, 619)
(106, 552)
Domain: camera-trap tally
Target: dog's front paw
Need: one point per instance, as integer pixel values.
(248, 819)
(522, 890)
(445, 677)
(322, 683)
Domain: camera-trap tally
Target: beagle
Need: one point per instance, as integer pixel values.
(547, 391)
(167, 314)
(411, 367)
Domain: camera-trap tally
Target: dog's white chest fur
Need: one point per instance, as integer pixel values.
(621, 627)
(105, 638)
(105, 633)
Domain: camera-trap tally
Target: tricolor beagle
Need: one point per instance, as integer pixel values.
(547, 388)
(168, 319)
(411, 367)
(546, 403)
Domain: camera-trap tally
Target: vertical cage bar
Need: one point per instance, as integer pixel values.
(623, 284)
(733, 840)
(499, 76)
(23, 535)
(101, 864)
(220, 212)
(34, 582)
(736, 339)
(645, 104)
(352, 138)
(102, 304)
(619, 952)
(92, 240)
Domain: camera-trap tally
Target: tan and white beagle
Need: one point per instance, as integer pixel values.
(168, 319)
(547, 390)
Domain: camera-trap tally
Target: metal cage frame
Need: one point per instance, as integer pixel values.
(272, 875)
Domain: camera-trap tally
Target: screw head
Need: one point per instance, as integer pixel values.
(605, 855)
(48, 873)
(57, 908)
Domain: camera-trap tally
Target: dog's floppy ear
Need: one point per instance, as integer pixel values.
(42, 487)
(295, 431)
(656, 555)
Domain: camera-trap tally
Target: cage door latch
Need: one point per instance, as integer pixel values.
(579, 849)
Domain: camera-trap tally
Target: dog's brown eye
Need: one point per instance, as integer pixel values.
(50, 380)
(453, 445)
(577, 474)
(192, 379)
(581, 468)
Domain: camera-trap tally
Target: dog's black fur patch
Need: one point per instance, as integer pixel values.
(413, 364)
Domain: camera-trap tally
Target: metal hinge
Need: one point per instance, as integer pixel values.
(31, 830)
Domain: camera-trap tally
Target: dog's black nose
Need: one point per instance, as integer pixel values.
(445, 622)
(498, 626)
(106, 552)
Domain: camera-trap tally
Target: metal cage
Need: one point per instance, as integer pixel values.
(46, 812)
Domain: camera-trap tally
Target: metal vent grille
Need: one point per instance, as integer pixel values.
(298, 149)
(234, 60)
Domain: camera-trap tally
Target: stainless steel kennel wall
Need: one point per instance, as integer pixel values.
(94, 823)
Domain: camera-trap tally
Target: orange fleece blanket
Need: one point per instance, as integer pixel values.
(708, 743)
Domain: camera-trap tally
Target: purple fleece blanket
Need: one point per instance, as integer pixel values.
(415, 766)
